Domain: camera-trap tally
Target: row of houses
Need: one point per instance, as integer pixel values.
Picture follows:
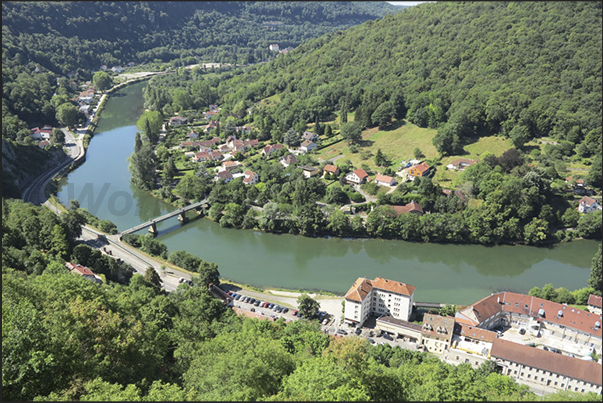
(473, 335)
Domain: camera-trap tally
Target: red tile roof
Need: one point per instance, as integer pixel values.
(361, 288)
(383, 178)
(422, 167)
(571, 367)
(472, 332)
(524, 304)
(439, 327)
(331, 168)
(360, 173)
(589, 201)
(393, 286)
(411, 207)
(594, 300)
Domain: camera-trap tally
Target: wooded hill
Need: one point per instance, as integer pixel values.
(64, 36)
(520, 69)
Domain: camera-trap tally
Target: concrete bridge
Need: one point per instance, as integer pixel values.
(152, 224)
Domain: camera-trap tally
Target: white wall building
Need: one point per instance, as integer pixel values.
(378, 297)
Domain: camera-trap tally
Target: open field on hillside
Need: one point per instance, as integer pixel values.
(397, 142)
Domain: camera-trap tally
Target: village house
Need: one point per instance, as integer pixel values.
(231, 165)
(358, 177)
(412, 207)
(245, 130)
(310, 136)
(384, 180)
(84, 272)
(192, 135)
(201, 156)
(117, 69)
(270, 148)
(288, 160)
(226, 176)
(216, 155)
(210, 126)
(436, 333)
(44, 144)
(251, 178)
(310, 172)
(332, 169)
(44, 133)
(193, 144)
(177, 121)
(274, 47)
(594, 304)
(588, 205)
(408, 331)
(378, 297)
(460, 164)
(419, 170)
(224, 148)
(307, 145)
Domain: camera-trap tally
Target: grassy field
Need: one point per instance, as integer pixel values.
(397, 142)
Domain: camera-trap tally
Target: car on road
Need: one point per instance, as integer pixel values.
(341, 331)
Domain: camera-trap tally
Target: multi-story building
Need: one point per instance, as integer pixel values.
(529, 365)
(436, 333)
(378, 297)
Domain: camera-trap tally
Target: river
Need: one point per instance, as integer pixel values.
(458, 274)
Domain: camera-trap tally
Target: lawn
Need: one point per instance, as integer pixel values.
(397, 142)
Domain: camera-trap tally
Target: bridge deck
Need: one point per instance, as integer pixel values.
(165, 217)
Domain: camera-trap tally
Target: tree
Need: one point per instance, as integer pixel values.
(142, 167)
(328, 131)
(380, 158)
(102, 81)
(384, 113)
(67, 114)
(292, 138)
(150, 125)
(595, 173)
(151, 276)
(352, 132)
(60, 244)
(595, 280)
(58, 137)
(519, 135)
(307, 306)
(418, 153)
(208, 274)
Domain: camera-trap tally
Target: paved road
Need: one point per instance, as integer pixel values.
(140, 262)
(35, 192)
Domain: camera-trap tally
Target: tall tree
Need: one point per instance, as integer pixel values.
(151, 276)
(102, 81)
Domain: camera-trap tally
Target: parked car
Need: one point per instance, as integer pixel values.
(299, 315)
(358, 331)
(252, 301)
(271, 306)
(265, 304)
(371, 341)
(252, 309)
(388, 337)
(257, 303)
(341, 331)
(279, 309)
(294, 312)
(237, 297)
(285, 310)
(325, 321)
(229, 292)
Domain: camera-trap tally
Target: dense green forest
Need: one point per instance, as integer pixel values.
(66, 338)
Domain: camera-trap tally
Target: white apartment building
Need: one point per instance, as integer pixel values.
(378, 297)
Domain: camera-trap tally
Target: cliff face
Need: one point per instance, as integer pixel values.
(21, 164)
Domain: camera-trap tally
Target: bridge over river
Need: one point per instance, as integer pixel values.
(152, 224)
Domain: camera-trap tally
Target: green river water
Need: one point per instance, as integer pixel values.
(458, 274)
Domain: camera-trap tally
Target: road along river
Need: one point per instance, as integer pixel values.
(458, 274)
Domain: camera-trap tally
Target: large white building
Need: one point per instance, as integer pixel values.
(378, 297)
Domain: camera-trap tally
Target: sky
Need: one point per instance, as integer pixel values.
(407, 3)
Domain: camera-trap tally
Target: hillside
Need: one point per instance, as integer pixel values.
(64, 36)
(468, 69)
